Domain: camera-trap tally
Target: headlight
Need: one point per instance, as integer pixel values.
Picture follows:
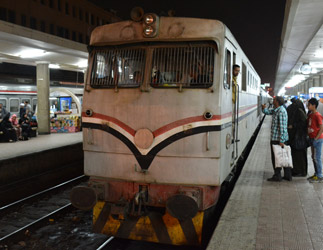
(149, 19)
(150, 25)
(149, 31)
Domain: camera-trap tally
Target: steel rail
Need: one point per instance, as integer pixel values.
(34, 223)
(105, 243)
(40, 193)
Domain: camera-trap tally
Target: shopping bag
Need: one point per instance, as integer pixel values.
(283, 156)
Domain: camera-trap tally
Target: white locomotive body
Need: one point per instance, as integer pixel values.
(160, 127)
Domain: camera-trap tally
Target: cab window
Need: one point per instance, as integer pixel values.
(121, 67)
(189, 65)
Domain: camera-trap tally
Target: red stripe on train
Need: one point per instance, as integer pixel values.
(18, 91)
(167, 127)
(114, 120)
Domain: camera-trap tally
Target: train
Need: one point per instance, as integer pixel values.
(161, 132)
(12, 95)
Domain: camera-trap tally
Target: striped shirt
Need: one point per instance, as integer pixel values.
(278, 124)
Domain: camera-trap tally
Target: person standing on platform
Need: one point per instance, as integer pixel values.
(279, 134)
(28, 107)
(297, 133)
(315, 129)
(320, 107)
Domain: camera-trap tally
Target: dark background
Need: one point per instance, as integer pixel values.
(256, 24)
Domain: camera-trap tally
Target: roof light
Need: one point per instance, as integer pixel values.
(31, 53)
(54, 66)
(82, 63)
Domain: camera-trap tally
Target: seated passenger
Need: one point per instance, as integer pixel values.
(25, 127)
(9, 134)
(16, 126)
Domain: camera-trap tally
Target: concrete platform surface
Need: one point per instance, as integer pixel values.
(270, 215)
(38, 144)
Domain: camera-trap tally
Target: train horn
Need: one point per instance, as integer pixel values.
(137, 13)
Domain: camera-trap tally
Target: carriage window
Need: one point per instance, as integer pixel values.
(122, 67)
(188, 66)
(14, 105)
(4, 103)
(227, 70)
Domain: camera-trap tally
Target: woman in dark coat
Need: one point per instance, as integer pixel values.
(297, 132)
(9, 134)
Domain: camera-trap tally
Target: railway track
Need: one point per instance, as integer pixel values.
(31, 212)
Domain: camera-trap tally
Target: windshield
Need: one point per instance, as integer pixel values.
(187, 65)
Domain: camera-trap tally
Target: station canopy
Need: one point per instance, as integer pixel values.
(301, 49)
(21, 45)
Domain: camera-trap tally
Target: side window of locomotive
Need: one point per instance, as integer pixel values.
(186, 66)
(4, 103)
(227, 70)
(14, 105)
(244, 77)
(122, 67)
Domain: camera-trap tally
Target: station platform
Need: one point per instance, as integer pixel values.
(39, 163)
(38, 144)
(270, 215)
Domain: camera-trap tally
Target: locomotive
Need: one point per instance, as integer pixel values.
(161, 131)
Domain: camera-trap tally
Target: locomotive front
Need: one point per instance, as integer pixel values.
(152, 128)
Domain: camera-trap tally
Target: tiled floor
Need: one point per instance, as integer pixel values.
(39, 143)
(269, 215)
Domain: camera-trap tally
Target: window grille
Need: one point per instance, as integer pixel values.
(186, 66)
(122, 67)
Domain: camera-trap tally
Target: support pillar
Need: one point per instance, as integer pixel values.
(43, 118)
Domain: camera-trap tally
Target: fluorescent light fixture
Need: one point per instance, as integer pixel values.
(31, 53)
(296, 79)
(54, 66)
(82, 63)
(319, 53)
(282, 91)
(315, 90)
(316, 64)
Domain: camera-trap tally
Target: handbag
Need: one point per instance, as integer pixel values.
(283, 156)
